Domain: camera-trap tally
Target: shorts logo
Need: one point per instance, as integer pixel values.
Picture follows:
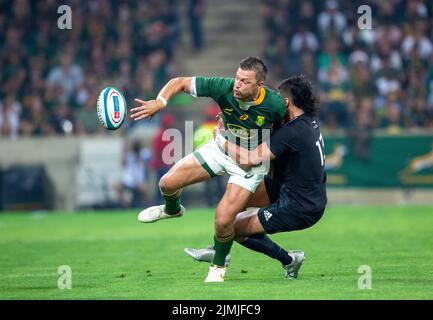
(243, 117)
(267, 215)
(260, 120)
(248, 175)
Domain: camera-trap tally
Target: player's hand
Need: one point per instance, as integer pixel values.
(219, 121)
(216, 132)
(146, 109)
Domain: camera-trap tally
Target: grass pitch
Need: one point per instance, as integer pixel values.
(113, 256)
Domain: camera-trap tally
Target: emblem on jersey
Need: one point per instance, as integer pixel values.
(241, 132)
(243, 117)
(315, 125)
(228, 110)
(260, 120)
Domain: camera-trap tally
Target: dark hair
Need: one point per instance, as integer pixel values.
(256, 65)
(300, 91)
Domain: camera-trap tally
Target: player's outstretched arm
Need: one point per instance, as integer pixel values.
(147, 109)
(245, 158)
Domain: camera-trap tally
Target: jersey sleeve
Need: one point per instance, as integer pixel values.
(283, 140)
(212, 87)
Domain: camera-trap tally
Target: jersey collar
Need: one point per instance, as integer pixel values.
(246, 105)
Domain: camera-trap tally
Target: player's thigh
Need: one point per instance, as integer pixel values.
(260, 197)
(185, 172)
(247, 223)
(234, 201)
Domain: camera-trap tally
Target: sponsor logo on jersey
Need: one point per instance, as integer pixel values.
(228, 110)
(241, 132)
(243, 117)
(260, 120)
(249, 175)
(267, 215)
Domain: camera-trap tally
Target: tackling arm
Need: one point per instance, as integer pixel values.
(242, 156)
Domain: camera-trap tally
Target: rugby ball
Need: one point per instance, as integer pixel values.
(112, 108)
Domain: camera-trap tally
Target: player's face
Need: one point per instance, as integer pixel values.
(246, 87)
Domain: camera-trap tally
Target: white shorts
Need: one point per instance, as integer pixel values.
(216, 162)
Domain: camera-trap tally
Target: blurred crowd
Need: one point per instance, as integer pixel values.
(366, 78)
(50, 78)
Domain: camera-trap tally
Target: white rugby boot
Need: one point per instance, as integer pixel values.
(216, 274)
(205, 254)
(155, 213)
(291, 270)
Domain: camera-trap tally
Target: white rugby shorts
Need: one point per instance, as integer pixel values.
(216, 162)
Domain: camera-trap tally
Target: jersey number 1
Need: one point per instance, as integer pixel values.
(321, 145)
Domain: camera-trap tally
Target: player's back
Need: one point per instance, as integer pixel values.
(300, 163)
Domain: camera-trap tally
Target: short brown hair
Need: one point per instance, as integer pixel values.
(256, 65)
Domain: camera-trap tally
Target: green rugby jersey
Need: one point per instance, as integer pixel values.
(247, 124)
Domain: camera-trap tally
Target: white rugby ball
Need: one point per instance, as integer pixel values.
(112, 108)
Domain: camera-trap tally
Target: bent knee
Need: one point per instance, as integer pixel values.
(167, 184)
(223, 226)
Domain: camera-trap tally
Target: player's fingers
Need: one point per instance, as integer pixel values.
(138, 113)
(141, 117)
(140, 101)
(139, 108)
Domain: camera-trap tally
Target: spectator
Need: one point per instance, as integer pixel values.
(337, 98)
(10, 110)
(392, 120)
(331, 21)
(87, 119)
(196, 10)
(34, 121)
(67, 75)
(304, 41)
(133, 190)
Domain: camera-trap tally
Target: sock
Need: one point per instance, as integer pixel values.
(222, 249)
(262, 243)
(172, 201)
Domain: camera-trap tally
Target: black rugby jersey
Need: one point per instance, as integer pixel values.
(300, 163)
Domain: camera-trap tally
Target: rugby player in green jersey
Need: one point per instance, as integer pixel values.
(248, 111)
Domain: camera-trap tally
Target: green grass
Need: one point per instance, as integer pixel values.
(113, 256)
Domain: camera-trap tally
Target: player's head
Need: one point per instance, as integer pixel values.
(298, 92)
(249, 79)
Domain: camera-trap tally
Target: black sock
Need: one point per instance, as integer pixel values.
(262, 243)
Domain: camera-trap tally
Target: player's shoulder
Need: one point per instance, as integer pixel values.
(278, 103)
(213, 86)
(216, 80)
(301, 122)
(273, 94)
